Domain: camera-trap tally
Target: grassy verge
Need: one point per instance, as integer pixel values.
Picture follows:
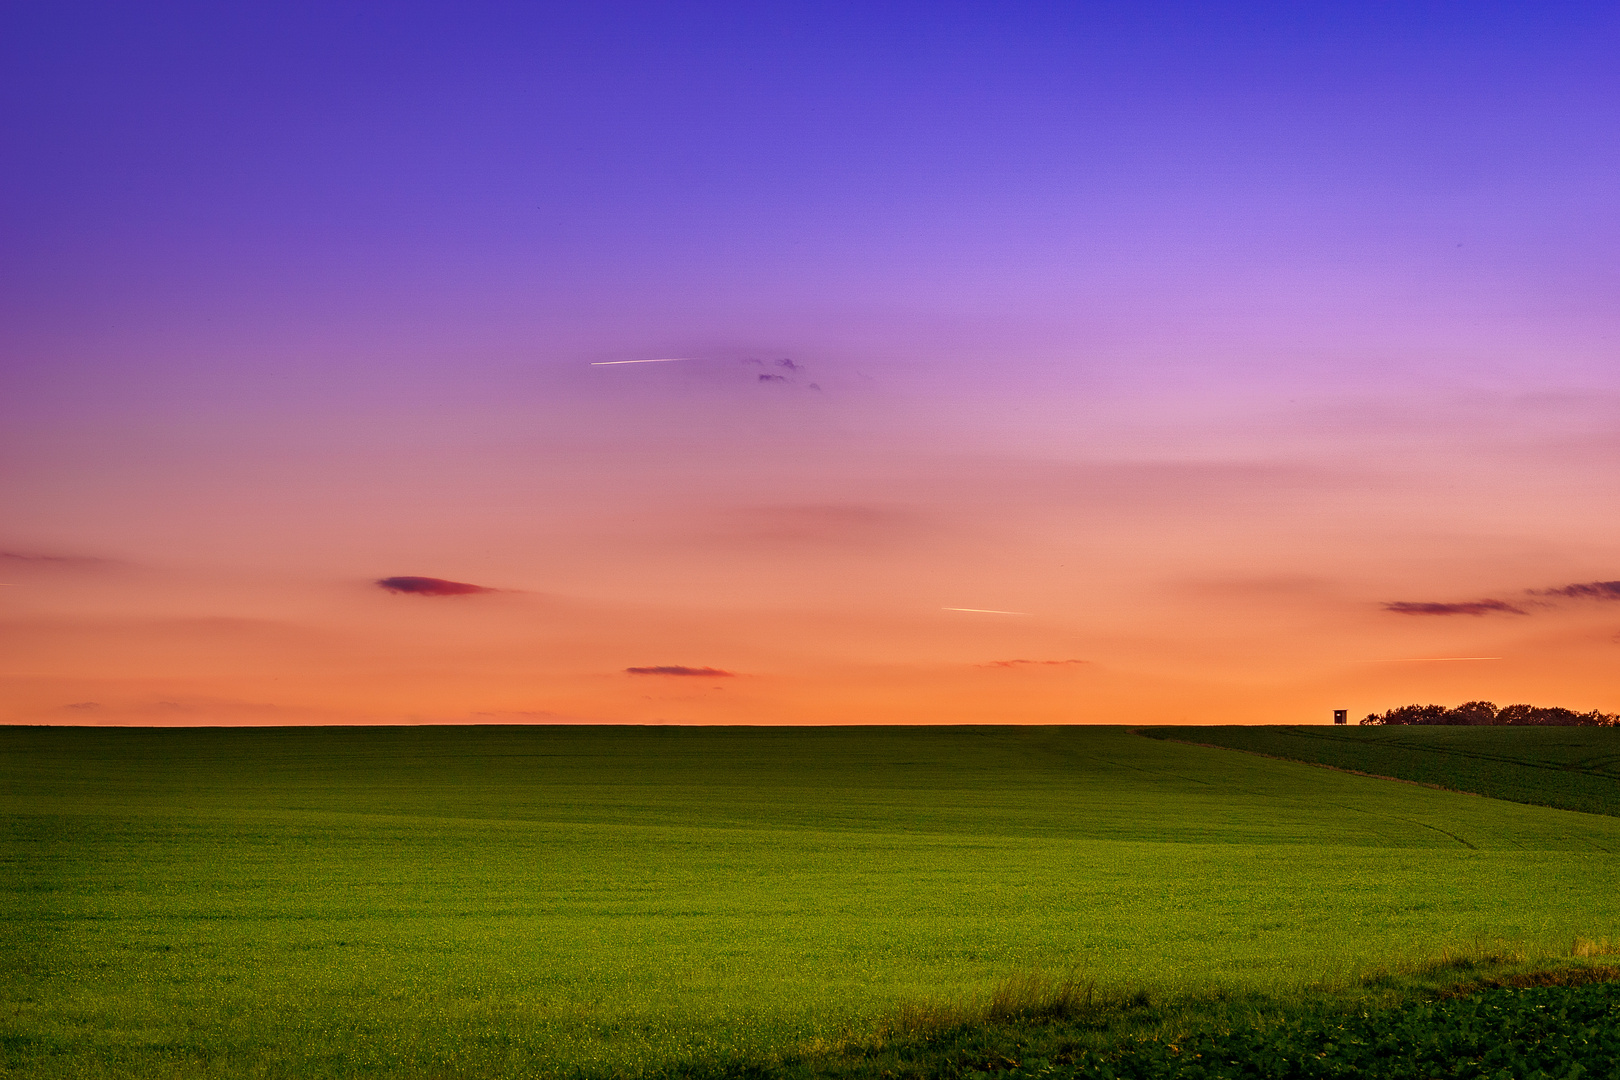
(1567, 768)
(1486, 1014)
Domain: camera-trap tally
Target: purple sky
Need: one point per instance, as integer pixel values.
(314, 292)
(205, 200)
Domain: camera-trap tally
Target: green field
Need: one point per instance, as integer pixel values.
(490, 901)
(1575, 768)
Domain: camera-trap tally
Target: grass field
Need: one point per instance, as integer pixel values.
(1575, 768)
(488, 901)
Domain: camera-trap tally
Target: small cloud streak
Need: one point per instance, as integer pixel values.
(1032, 663)
(1467, 607)
(1585, 590)
(430, 586)
(34, 558)
(1589, 590)
(768, 377)
(678, 669)
(1433, 659)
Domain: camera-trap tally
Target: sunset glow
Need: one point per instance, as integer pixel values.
(1044, 364)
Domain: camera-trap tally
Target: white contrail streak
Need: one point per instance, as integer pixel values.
(1433, 659)
(664, 360)
(984, 610)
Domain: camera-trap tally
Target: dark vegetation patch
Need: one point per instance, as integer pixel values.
(1486, 714)
(1572, 768)
(1493, 1020)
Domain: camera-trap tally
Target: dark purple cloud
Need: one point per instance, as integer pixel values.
(1589, 590)
(1467, 607)
(768, 377)
(677, 669)
(1585, 590)
(430, 586)
(790, 365)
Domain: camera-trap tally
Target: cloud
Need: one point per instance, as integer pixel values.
(790, 365)
(1032, 663)
(430, 586)
(519, 716)
(65, 562)
(1585, 590)
(198, 711)
(841, 524)
(1265, 587)
(1468, 607)
(1589, 590)
(768, 377)
(1131, 489)
(677, 669)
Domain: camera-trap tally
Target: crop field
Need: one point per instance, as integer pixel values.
(1576, 768)
(565, 901)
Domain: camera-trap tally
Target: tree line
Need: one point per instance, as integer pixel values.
(1480, 713)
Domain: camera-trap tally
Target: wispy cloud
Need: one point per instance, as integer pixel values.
(430, 586)
(1585, 590)
(1467, 607)
(41, 559)
(792, 367)
(1588, 590)
(1033, 663)
(678, 669)
(834, 524)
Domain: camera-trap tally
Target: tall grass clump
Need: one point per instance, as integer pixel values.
(1585, 947)
(1029, 996)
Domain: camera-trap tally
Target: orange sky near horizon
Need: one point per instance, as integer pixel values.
(1226, 562)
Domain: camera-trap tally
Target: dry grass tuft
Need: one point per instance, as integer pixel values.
(1595, 947)
(1032, 995)
(1484, 956)
(1025, 995)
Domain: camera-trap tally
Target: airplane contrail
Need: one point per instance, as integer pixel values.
(1432, 659)
(662, 360)
(984, 610)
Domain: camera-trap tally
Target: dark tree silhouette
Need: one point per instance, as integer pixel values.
(1482, 713)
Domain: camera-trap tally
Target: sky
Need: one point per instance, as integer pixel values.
(1024, 363)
